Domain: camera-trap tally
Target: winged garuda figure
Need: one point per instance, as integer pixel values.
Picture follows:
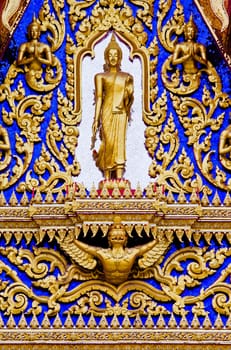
(118, 262)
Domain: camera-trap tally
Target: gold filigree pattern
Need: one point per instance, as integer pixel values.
(146, 14)
(28, 115)
(199, 122)
(28, 111)
(197, 117)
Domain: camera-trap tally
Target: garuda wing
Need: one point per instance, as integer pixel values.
(77, 254)
(155, 254)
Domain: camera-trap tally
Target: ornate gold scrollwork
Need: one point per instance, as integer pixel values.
(197, 117)
(196, 127)
(119, 16)
(140, 303)
(28, 114)
(28, 111)
(146, 14)
(154, 290)
(61, 138)
(224, 148)
(40, 264)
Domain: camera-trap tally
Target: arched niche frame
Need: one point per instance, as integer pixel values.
(135, 50)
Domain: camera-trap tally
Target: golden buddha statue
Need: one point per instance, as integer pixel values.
(114, 97)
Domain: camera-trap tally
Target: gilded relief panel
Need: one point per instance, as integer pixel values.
(113, 261)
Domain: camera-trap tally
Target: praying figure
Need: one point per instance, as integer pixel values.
(189, 52)
(191, 56)
(113, 101)
(33, 53)
(42, 68)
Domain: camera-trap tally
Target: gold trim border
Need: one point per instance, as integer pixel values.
(117, 347)
(112, 337)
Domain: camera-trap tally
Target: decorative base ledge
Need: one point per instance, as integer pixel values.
(116, 339)
(116, 347)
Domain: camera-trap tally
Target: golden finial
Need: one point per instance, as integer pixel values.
(113, 45)
(190, 24)
(34, 23)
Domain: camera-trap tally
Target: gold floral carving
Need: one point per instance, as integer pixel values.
(120, 346)
(89, 295)
(176, 171)
(105, 17)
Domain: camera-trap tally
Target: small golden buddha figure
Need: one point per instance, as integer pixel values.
(34, 54)
(113, 97)
(189, 52)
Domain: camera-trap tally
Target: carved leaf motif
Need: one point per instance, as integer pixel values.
(52, 25)
(167, 33)
(146, 14)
